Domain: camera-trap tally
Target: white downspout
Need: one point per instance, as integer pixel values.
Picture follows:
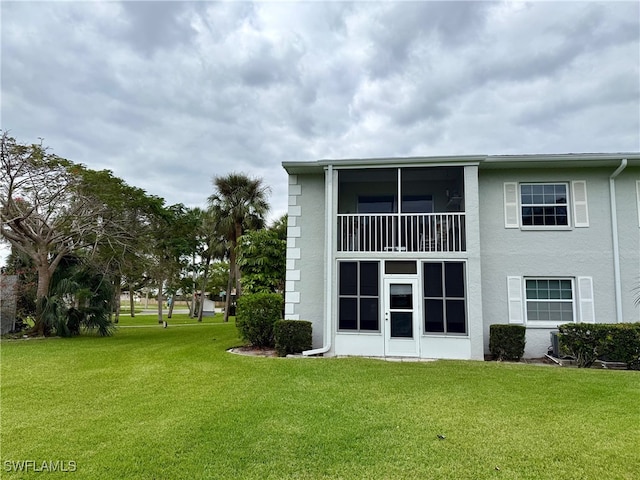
(614, 231)
(328, 258)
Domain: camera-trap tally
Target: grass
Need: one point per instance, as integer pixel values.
(176, 319)
(154, 403)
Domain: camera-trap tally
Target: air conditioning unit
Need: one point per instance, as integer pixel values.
(554, 349)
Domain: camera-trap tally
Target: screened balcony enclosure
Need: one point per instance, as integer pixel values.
(411, 209)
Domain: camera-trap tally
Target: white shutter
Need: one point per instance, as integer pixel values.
(580, 209)
(585, 294)
(511, 205)
(514, 295)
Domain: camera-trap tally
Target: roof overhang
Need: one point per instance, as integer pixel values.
(483, 161)
(297, 168)
(566, 160)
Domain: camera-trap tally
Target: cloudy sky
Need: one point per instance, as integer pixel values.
(168, 95)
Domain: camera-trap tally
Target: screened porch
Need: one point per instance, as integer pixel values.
(410, 209)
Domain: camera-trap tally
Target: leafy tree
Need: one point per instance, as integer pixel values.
(240, 203)
(279, 226)
(122, 249)
(262, 259)
(51, 208)
(218, 276)
(173, 241)
(44, 210)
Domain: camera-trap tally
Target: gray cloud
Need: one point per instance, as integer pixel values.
(151, 26)
(169, 94)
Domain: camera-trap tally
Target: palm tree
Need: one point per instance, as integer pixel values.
(240, 203)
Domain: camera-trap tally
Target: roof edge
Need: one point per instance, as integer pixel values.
(484, 161)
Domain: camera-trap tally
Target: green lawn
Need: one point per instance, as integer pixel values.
(176, 319)
(154, 403)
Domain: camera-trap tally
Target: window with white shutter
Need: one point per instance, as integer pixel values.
(580, 209)
(544, 205)
(548, 206)
(585, 292)
(511, 205)
(550, 301)
(514, 294)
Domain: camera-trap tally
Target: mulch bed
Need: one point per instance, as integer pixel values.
(254, 351)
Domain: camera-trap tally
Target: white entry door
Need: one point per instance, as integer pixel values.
(402, 317)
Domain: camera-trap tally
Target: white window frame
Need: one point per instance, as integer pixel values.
(577, 205)
(358, 296)
(549, 323)
(568, 206)
(444, 299)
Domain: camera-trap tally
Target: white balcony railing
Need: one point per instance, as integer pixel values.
(404, 232)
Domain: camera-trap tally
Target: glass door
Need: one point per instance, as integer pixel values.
(401, 315)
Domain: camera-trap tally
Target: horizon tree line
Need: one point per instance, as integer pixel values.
(80, 237)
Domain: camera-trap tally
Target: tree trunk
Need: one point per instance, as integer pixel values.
(132, 307)
(227, 299)
(201, 309)
(235, 263)
(191, 305)
(204, 286)
(238, 281)
(42, 291)
(233, 271)
(118, 292)
(45, 271)
(160, 285)
(171, 300)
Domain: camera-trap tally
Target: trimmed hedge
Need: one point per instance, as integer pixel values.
(588, 342)
(506, 342)
(255, 316)
(292, 336)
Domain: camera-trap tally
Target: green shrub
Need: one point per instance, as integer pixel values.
(506, 342)
(583, 341)
(587, 342)
(292, 336)
(623, 344)
(255, 316)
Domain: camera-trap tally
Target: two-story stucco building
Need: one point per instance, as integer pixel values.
(417, 257)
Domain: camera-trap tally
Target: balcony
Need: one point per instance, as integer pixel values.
(402, 232)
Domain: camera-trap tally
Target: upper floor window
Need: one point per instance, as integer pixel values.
(553, 205)
(403, 190)
(544, 204)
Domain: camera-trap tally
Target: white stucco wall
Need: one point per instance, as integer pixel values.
(571, 253)
(304, 299)
(493, 253)
(628, 203)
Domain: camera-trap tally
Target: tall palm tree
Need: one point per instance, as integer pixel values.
(240, 202)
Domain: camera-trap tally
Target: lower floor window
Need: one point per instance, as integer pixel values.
(444, 297)
(358, 296)
(549, 300)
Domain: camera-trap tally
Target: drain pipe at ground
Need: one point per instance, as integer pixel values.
(328, 258)
(616, 247)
